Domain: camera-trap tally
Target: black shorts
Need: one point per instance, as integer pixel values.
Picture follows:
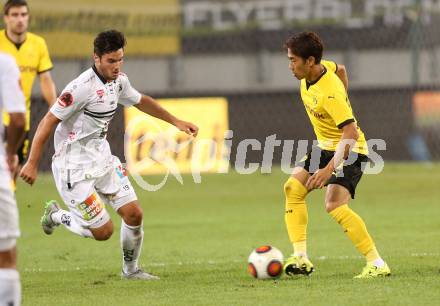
(23, 150)
(348, 176)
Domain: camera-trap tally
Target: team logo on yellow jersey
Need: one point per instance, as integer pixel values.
(30, 69)
(314, 113)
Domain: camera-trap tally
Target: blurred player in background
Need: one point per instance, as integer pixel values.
(86, 173)
(12, 102)
(32, 57)
(337, 161)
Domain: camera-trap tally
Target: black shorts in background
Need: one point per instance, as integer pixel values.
(23, 150)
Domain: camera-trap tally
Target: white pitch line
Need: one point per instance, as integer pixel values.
(202, 262)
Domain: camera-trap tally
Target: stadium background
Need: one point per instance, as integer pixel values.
(198, 236)
(233, 49)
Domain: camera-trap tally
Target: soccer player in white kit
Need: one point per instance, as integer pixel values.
(12, 101)
(86, 173)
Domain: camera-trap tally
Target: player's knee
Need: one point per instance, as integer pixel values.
(294, 190)
(331, 205)
(287, 187)
(134, 216)
(103, 235)
(8, 259)
(104, 232)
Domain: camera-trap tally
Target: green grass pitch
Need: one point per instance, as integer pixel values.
(198, 238)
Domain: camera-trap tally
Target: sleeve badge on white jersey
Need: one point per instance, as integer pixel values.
(66, 99)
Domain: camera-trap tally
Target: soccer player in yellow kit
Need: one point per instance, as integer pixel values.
(337, 161)
(32, 57)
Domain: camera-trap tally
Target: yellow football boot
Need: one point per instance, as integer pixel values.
(371, 271)
(298, 265)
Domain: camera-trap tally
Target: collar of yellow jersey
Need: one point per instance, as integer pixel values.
(308, 84)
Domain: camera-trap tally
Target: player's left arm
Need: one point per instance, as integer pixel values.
(48, 88)
(341, 72)
(339, 109)
(338, 69)
(348, 140)
(131, 97)
(149, 106)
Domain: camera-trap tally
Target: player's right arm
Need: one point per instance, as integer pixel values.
(14, 104)
(342, 74)
(73, 99)
(30, 169)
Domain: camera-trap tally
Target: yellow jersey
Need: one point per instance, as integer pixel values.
(32, 57)
(329, 109)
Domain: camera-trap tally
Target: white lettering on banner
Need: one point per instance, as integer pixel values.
(268, 14)
(297, 10)
(218, 21)
(242, 11)
(195, 13)
(331, 9)
(274, 14)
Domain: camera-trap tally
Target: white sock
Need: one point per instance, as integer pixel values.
(131, 244)
(301, 254)
(65, 217)
(10, 289)
(379, 263)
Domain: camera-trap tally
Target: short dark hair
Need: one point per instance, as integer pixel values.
(108, 41)
(13, 3)
(305, 44)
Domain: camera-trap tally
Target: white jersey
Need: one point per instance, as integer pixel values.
(11, 96)
(12, 101)
(85, 107)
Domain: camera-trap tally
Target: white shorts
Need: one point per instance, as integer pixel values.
(86, 198)
(9, 230)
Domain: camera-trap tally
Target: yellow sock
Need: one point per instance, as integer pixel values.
(372, 255)
(356, 230)
(296, 216)
(300, 248)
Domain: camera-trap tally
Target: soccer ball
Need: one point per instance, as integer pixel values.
(265, 262)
